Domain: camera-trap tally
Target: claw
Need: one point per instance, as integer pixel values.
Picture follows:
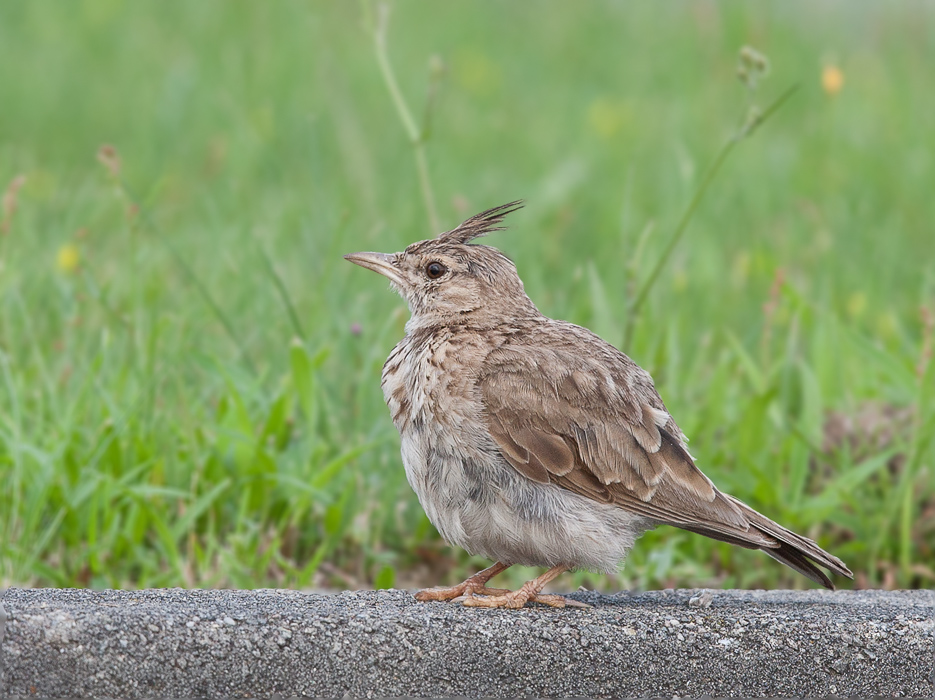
(572, 603)
(553, 601)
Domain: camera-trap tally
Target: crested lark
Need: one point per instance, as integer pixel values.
(532, 441)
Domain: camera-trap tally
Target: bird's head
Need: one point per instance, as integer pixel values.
(445, 280)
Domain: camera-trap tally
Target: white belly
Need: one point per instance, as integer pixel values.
(481, 504)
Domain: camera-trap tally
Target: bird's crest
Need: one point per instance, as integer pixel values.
(481, 224)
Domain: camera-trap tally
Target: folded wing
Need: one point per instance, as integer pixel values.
(592, 422)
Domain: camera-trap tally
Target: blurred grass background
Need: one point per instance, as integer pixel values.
(189, 373)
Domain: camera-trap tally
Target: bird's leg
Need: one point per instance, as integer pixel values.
(529, 591)
(475, 584)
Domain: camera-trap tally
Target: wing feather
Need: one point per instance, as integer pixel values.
(566, 408)
(516, 454)
(600, 429)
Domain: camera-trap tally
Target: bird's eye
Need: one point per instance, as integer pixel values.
(435, 270)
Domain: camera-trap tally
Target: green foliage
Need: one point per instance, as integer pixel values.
(189, 373)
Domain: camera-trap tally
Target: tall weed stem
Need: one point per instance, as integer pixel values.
(753, 121)
(417, 136)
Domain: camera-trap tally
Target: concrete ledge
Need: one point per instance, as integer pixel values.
(179, 643)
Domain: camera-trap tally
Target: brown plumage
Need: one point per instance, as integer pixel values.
(532, 441)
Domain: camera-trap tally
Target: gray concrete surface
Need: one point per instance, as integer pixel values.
(179, 643)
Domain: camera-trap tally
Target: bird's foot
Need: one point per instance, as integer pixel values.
(531, 591)
(475, 584)
(474, 592)
(517, 599)
(456, 593)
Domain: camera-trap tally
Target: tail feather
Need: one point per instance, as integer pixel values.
(795, 551)
(795, 560)
(803, 545)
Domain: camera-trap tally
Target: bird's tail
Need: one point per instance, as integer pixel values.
(796, 552)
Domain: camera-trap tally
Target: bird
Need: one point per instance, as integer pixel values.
(531, 441)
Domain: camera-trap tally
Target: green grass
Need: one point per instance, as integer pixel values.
(195, 400)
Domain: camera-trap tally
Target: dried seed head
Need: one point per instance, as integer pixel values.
(752, 67)
(108, 156)
(10, 201)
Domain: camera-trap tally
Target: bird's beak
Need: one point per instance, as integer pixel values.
(378, 262)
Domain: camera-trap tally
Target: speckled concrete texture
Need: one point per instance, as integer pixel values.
(180, 643)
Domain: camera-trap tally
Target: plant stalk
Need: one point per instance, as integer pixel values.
(749, 126)
(416, 136)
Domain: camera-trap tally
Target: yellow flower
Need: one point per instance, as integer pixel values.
(476, 73)
(832, 80)
(607, 117)
(68, 258)
(856, 304)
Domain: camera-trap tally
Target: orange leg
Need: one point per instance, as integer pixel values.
(475, 584)
(528, 592)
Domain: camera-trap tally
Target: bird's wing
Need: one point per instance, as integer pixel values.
(574, 411)
(565, 407)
